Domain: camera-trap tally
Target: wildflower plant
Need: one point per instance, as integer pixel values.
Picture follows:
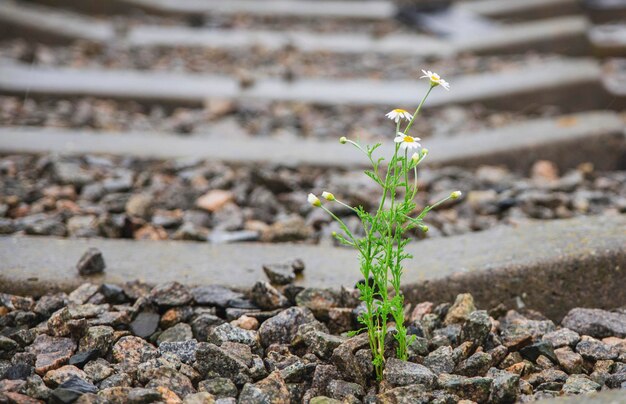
(382, 248)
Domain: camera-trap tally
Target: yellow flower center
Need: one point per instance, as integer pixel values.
(435, 77)
(408, 139)
(399, 111)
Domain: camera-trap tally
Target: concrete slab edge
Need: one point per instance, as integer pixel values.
(595, 137)
(549, 266)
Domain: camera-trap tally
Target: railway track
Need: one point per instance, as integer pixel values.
(558, 98)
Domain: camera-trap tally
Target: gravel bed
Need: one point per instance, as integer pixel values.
(281, 344)
(245, 118)
(94, 196)
(260, 62)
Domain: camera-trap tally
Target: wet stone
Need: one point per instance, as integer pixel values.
(145, 324)
(185, 351)
(272, 389)
(171, 294)
(562, 337)
(219, 387)
(91, 262)
(52, 352)
(596, 323)
(281, 328)
(267, 297)
(402, 373)
(179, 332)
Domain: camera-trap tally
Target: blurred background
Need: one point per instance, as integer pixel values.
(210, 120)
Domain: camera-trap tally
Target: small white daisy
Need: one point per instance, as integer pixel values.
(407, 142)
(398, 114)
(314, 200)
(435, 79)
(328, 196)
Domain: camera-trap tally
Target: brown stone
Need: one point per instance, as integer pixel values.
(246, 322)
(133, 351)
(460, 310)
(420, 310)
(64, 373)
(214, 200)
(569, 360)
(52, 352)
(169, 397)
(149, 232)
(544, 170)
(20, 398)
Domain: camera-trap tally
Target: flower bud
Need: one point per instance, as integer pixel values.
(328, 196)
(456, 195)
(314, 200)
(343, 140)
(423, 228)
(415, 158)
(424, 152)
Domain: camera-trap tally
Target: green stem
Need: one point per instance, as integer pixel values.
(417, 111)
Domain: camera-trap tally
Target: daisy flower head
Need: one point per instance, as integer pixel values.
(314, 200)
(407, 142)
(397, 114)
(435, 79)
